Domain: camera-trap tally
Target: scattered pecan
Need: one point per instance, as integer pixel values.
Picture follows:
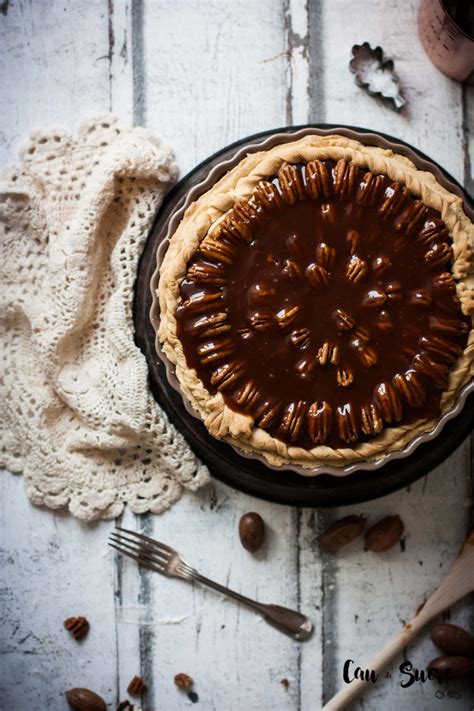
(291, 184)
(261, 320)
(374, 298)
(267, 414)
(341, 533)
(126, 705)
(384, 323)
(287, 315)
(380, 265)
(183, 681)
(394, 291)
(218, 249)
(203, 301)
(248, 396)
(441, 348)
(211, 325)
(285, 683)
(346, 424)
(325, 255)
(433, 231)
(266, 194)
(292, 420)
(409, 386)
(384, 534)
(388, 402)
(344, 376)
(424, 364)
(317, 275)
(215, 350)
(452, 639)
(227, 374)
(395, 199)
(85, 700)
(300, 338)
(345, 177)
(318, 179)
(137, 686)
(260, 294)
(252, 531)
(206, 273)
(369, 189)
(77, 626)
(371, 421)
(411, 218)
(328, 353)
(343, 321)
(452, 668)
(306, 366)
(438, 255)
(353, 240)
(420, 297)
(291, 269)
(356, 269)
(319, 421)
(453, 327)
(444, 281)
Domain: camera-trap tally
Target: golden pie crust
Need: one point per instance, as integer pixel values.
(206, 213)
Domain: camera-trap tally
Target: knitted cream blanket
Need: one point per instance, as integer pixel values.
(78, 418)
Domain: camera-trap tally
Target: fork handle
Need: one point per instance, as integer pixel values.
(288, 621)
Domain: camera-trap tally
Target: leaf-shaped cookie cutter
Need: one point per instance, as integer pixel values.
(375, 74)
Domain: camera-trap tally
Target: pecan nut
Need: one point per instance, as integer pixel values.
(291, 269)
(438, 255)
(384, 323)
(325, 255)
(306, 366)
(318, 276)
(203, 301)
(433, 231)
(444, 281)
(227, 374)
(395, 200)
(453, 327)
(371, 421)
(367, 355)
(319, 421)
(346, 423)
(420, 297)
(260, 294)
(318, 180)
(295, 245)
(370, 188)
(211, 325)
(328, 353)
(206, 273)
(353, 240)
(261, 320)
(343, 321)
(137, 686)
(441, 348)
(81, 699)
(293, 420)
(285, 316)
(215, 350)
(345, 177)
(356, 269)
(183, 681)
(266, 196)
(215, 248)
(388, 402)
(267, 414)
(77, 626)
(381, 265)
(424, 364)
(374, 299)
(291, 184)
(344, 376)
(411, 218)
(300, 338)
(393, 291)
(248, 395)
(409, 386)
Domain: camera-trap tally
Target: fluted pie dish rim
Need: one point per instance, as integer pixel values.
(367, 149)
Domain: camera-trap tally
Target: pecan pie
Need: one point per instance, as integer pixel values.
(317, 302)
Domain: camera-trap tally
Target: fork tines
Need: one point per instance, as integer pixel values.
(141, 548)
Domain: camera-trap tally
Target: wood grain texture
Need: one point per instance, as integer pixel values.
(204, 73)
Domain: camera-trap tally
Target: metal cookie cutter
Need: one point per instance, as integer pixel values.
(375, 74)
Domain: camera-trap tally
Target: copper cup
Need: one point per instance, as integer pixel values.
(446, 31)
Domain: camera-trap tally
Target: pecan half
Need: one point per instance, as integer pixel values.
(388, 402)
(300, 338)
(424, 364)
(411, 218)
(203, 301)
(394, 291)
(343, 321)
(267, 413)
(380, 265)
(353, 240)
(305, 366)
(295, 245)
(346, 424)
(362, 333)
(344, 376)
(318, 276)
(384, 323)
(451, 326)
(325, 255)
(319, 421)
(420, 297)
(369, 189)
(291, 270)
(261, 320)
(287, 315)
(371, 421)
(318, 179)
(444, 281)
(227, 374)
(183, 681)
(438, 255)
(236, 227)
(374, 298)
(248, 395)
(291, 184)
(214, 247)
(210, 325)
(345, 176)
(356, 269)
(367, 356)
(78, 626)
(441, 348)
(206, 273)
(259, 294)
(215, 350)
(267, 196)
(433, 231)
(328, 213)
(137, 686)
(292, 420)
(409, 386)
(395, 200)
(328, 353)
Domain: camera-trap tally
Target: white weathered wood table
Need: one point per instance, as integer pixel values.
(204, 73)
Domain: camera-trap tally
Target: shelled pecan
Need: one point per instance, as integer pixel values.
(374, 299)
(325, 255)
(183, 681)
(424, 364)
(343, 321)
(394, 291)
(328, 353)
(306, 366)
(266, 194)
(369, 189)
(214, 247)
(285, 316)
(227, 374)
(411, 217)
(137, 686)
(353, 240)
(344, 376)
(409, 386)
(328, 213)
(318, 276)
(444, 281)
(346, 423)
(210, 325)
(295, 245)
(291, 184)
(453, 327)
(441, 348)
(300, 338)
(388, 402)
(319, 421)
(291, 269)
(367, 355)
(318, 180)
(420, 297)
(261, 320)
(293, 419)
(215, 350)
(78, 626)
(206, 273)
(384, 323)
(267, 413)
(438, 255)
(260, 294)
(203, 301)
(356, 269)
(381, 265)
(434, 230)
(345, 177)
(395, 200)
(248, 396)
(371, 421)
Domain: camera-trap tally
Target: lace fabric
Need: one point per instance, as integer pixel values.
(79, 419)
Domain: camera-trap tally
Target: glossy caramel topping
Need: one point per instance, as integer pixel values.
(324, 307)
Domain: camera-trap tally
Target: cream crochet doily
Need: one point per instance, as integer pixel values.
(78, 418)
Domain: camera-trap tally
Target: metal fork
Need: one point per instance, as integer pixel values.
(163, 559)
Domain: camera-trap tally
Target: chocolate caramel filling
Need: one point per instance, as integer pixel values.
(324, 306)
